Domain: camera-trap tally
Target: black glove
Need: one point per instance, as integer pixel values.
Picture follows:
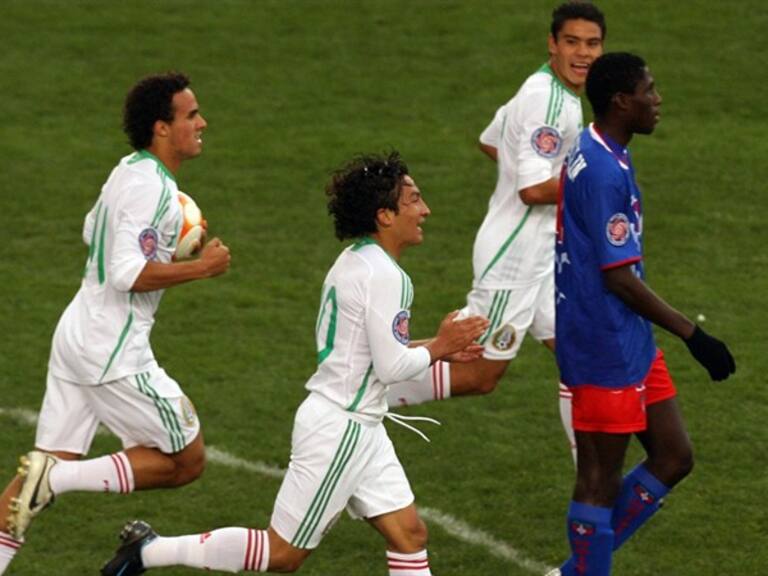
(712, 354)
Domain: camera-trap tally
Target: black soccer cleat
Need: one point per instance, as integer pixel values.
(127, 559)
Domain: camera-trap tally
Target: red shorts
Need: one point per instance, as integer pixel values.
(621, 410)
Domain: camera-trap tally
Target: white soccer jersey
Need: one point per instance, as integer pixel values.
(103, 334)
(533, 132)
(362, 331)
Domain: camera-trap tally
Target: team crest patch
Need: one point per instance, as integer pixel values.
(400, 327)
(546, 141)
(503, 338)
(188, 411)
(148, 243)
(643, 494)
(617, 229)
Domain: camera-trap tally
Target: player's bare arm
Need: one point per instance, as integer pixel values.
(636, 294)
(214, 260)
(542, 193)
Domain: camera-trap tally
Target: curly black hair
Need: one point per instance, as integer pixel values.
(612, 73)
(150, 100)
(360, 188)
(576, 10)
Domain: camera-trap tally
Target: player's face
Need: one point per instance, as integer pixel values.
(187, 127)
(646, 105)
(412, 211)
(578, 44)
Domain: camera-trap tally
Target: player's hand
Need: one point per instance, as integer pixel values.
(469, 354)
(455, 335)
(712, 354)
(215, 257)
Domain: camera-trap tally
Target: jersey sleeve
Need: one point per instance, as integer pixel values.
(491, 136)
(606, 208)
(139, 227)
(387, 318)
(538, 140)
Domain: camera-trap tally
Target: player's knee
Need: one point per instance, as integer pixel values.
(416, 536)
(190, 469)
(285, 559)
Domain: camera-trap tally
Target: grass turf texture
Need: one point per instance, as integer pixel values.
(290, 90)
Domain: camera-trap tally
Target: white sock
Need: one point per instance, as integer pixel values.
(416, 564)
(111, 473)
(226, 549)
(8, 548)
(566, 417)
(433, 384)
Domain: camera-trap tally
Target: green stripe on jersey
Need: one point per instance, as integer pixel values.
(361, 391)
(506, 244)
(102, 236)
(323, 495)
(121, 339)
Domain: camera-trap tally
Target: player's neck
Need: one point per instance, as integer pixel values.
(170, 161)
(614, 131)
(388, 244)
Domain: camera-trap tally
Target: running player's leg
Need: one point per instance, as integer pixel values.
(406, 536)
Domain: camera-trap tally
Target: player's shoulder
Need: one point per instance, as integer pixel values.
(368, 257)
(143, 168)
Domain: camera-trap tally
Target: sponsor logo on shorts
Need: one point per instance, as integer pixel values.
(546, 141)
(148, 240)
(400, 327)
(504, 338)
(188, 411)
(617, 229)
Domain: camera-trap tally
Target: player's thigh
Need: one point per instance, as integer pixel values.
(543, 325)
(148, 409)
(510, 312)
(67, 421)
(329, 451)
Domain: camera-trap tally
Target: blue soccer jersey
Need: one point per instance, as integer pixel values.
(600, 341)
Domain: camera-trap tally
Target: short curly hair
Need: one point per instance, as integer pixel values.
(576, 10)
(360, 188)
(612, 73)
(150, 100)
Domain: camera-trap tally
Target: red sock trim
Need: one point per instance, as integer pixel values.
(122, 474)
(9, 542)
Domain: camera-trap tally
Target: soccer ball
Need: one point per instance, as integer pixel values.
(193, 228)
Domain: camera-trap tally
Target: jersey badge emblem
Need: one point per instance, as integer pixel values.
(188, 411)
(617, 229)
(400, 327)
(582, 528)
(546, 142)
(643, 493)
(504, 338)
(148, 241)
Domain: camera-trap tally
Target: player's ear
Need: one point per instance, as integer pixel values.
(161, 129)
(621, 101)
(384, 217)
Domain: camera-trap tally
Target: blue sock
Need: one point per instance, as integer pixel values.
(591, 538)
(639, 499)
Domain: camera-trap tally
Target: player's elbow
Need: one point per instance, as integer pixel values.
(528, 196)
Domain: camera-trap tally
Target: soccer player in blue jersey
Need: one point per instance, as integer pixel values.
(605, 346)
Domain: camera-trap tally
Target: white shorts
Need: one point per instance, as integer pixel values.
(513, 313)
(336, 462)
(147, 409)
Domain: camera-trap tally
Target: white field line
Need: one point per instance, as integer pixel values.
(452, 526)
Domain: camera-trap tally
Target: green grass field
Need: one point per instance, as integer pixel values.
(291, 89)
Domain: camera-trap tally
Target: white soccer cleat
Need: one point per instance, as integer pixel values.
(555, 572)
(35, 494)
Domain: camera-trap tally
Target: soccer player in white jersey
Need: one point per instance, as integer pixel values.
(513, 255)
(101, 367)
(341, 456)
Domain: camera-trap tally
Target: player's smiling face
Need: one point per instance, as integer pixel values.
(412, 211)
(578, 44)
(187, 127)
